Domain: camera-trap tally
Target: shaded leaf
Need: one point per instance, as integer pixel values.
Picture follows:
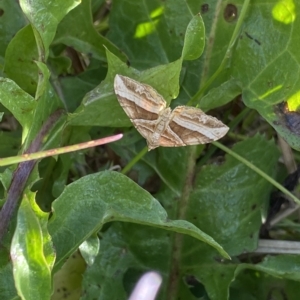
(106, 197)
(44, 17)
(18, 102)
(83, 36)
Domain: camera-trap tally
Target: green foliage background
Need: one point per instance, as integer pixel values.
(216, 208)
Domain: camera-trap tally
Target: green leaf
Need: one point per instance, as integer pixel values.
(154, 30)
(164, 78)
(7, 284)
(194, 40)
(101, 102)
(32, 271)
(106, 197)
(11, 22)
(89, 249)
(44, 17)
(221, 95)
(18, 102)
(46, 103)
(82, 35)
(67, 281)
(231, 192)
(286, 266)
(19, 60)
(161, 161)
(114, 267)
(273, 76)
(228, 201)
(253, 284)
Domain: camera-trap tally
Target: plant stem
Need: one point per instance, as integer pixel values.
(183, 205)
(134, 160)
(20, 176)
(257, 170)
(52, 152)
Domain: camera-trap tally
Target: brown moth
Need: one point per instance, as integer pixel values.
(158, 124)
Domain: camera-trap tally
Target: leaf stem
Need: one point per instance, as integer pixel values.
(257, 170)
(134, 160)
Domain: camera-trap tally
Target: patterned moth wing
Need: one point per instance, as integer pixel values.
(191, 126)
(158, 124)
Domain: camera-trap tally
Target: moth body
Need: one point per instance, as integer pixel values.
(158, 124)
(160, 127)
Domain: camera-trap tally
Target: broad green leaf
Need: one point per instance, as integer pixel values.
(110, 266)
(164, 78)
(106, 197)
(20, 58)
(267, 61)
(194, 40)
(256, 285)
(229, 201)
(44, 17)
(286, 266)
(18, 102)
(220, 193)
(7, 284)
(32, 269)
(11, 22)
(10, 143)
(235, 194)
(82, 35)
(154, 30)
(220, 95)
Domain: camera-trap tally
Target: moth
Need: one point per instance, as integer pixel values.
(160, 125)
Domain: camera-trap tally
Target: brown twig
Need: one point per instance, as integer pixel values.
(20, 177)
